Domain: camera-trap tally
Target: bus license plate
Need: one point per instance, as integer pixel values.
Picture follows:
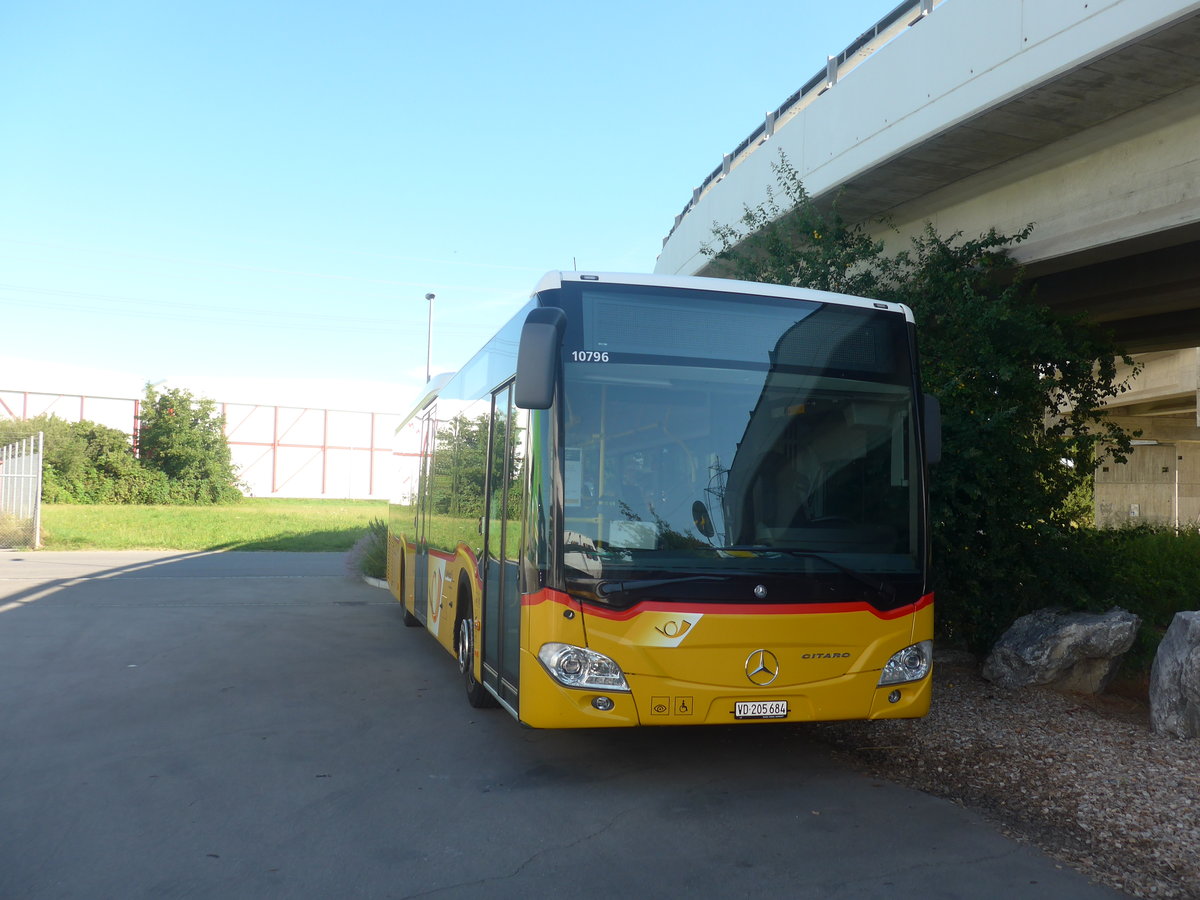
(760, 709)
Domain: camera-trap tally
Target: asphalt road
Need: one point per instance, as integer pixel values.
(259, 725)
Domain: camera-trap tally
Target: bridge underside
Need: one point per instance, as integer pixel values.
(1142, 279)
(1149, 298)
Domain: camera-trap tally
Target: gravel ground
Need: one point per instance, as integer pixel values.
(1082, 778)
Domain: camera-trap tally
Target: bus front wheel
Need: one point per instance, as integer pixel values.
(477, 695)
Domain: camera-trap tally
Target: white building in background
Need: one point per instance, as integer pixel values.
(288, 438)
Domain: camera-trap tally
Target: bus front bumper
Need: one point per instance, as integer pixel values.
(660, 701)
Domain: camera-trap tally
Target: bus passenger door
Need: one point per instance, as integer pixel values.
(502, 597)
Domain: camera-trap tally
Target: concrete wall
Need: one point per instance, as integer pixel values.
(1136, 176)
(1160, 485)
(1161, 481)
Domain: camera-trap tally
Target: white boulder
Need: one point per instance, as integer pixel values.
(1074, 651)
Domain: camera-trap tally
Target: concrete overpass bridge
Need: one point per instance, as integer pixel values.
(1081, 116)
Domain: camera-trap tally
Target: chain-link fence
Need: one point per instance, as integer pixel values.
(21, 493)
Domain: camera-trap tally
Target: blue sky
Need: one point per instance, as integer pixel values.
(268, 190)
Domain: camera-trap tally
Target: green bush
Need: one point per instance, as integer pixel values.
(88, 463)
(368, 556)
(1151, 570)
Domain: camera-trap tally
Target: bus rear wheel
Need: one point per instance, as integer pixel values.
(477, 695)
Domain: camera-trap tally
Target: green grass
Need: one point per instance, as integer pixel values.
(252, 524)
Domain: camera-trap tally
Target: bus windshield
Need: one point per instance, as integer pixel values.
(744, 436)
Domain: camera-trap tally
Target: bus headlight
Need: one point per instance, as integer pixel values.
(578, 667)
(910, 664)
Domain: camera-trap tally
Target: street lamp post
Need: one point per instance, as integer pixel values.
(429, 339)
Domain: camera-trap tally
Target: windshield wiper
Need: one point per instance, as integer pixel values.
(604, 588)
(879, 585)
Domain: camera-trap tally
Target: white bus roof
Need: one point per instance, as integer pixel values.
(552, 280)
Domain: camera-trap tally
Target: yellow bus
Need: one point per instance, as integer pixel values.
(658, 500)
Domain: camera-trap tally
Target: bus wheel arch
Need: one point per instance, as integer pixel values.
(409, 619)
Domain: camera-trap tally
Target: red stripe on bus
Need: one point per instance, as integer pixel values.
(548, 595)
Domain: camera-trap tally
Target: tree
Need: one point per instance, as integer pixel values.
(184, 438)
(797, 243)
(1021, 390)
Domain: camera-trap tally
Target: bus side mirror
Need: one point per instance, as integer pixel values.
(933, 429)
(537, 357)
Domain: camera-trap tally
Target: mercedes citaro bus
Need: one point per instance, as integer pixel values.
(662, 500)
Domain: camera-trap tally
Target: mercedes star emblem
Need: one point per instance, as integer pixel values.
(762, 667)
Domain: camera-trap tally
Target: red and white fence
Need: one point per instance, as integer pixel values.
(279, 451)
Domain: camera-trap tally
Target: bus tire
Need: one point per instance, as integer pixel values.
(477, 695)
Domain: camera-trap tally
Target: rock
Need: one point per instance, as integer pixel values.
(1077, 652)
(1175, 679)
